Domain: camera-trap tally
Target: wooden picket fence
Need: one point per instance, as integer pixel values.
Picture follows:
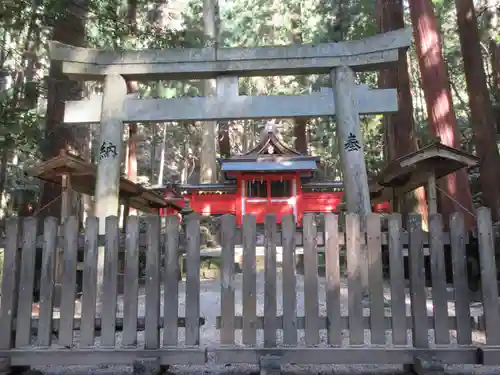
(391, 333)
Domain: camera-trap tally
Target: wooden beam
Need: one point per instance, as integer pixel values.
(350, 355)
(192, 63)
(432, 194)
(259, 242)
(233, 107)
(86, 357)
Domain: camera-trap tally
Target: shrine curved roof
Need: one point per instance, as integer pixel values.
(270, 155)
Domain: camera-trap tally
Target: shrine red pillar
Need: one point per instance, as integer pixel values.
(238, 202)
(299, 200)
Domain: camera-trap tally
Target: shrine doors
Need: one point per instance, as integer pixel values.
(269, 194)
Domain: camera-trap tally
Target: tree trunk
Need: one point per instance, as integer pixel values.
(455, 194)
(494, 49)
(483, 123)
(399, 127)
(161, 170)
(224, 141)
(300, 134)
(208, 159)
(300, 124)
(161, 24)
(69, 29)
(132, 88)
(4, 157)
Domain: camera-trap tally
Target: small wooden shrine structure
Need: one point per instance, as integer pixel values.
(76, 174)
(420, 168)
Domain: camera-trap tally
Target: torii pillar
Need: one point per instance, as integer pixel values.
(350, 141)
(352, 158)
(110, 153)
(109, 158)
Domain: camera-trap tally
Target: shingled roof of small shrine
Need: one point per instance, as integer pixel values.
(271, 148)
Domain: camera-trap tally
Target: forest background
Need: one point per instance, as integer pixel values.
(453, 64)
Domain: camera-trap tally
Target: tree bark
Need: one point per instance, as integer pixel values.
(300, 124)
(300, 134)
(494, 49)
(483, 123)
(4, 157)
(399, 127)
(132, 87)
(224, 141)
(208, 159)
(161, 169)
(455, 194)
(69, 29)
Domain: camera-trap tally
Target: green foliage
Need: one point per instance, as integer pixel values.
(26, 26)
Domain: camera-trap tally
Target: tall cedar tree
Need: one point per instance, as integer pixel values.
(399, 126)
(454, 192)
(69, 29)
(483, 123)
(494, 47)
(132, 87)
(208, 157)
(300, 123)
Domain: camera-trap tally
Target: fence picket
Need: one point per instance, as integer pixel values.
(89, 297)
(438, 275)
(460, 284)
(228, 226)
(110, 285)
(396, 270)
(418, 293)
(10, 272)
(289, 283)
(376, 279)
(270, 281)
(131, 287)
(26, 283)
(47, 280)
(171, 285)
(311, 280)
(354, 284)
(249, 280)
(193, 279)
(152, 318)
(68, 289)
(332, 263)
(488, 276)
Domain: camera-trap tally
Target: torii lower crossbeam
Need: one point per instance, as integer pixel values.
(231, 107)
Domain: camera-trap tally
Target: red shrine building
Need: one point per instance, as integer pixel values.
(269, 179)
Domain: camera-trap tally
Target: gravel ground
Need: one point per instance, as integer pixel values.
(210, 309)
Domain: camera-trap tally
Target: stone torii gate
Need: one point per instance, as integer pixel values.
(347, 101)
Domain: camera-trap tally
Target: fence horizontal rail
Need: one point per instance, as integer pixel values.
(111, 356)
(476, 323)
(238, 239)
(119, 324)
(326, 356)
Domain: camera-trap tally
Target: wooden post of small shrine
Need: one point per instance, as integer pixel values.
(432, 194)
(432, 190)
(110, 156)
(351, 148)
(66, 211)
